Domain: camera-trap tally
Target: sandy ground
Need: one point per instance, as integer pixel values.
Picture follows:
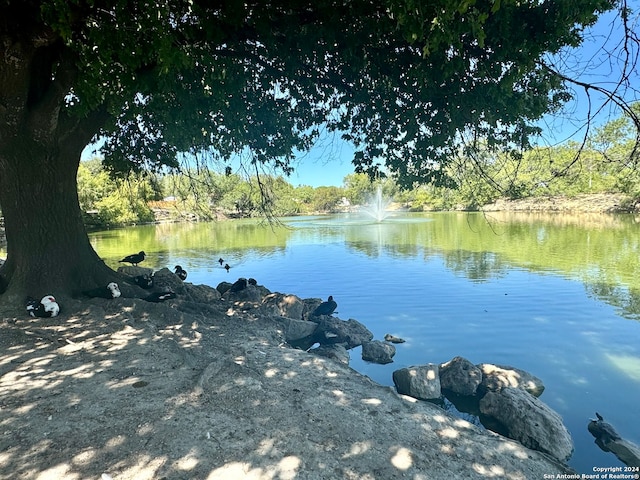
(127, 389)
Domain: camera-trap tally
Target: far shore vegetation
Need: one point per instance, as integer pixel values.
(604, 164)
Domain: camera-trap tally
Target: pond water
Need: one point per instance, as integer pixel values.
(556, 295)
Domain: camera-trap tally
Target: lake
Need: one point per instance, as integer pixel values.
(556, 295)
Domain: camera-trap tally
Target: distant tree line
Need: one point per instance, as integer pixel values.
(604, 163)
(107, 201)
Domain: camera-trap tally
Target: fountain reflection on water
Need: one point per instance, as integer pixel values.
(377, 206)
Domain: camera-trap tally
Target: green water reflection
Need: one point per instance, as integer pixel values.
(599, 250)
(199, 240)
(602, 251)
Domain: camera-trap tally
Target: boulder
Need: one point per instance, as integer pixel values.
(201, 293)
(247, 298)
(296, 330)
(497, 377)
(164, 280)
(335, 352)
(529, 421)
(223, 287)
(132, 271)
(460, 376)
(378, 352)
(334, 330)
(626, 451)
(244, 293)
(282, 304)
(422, 382)
(264, 291)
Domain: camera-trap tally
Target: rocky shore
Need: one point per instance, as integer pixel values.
(206, 386)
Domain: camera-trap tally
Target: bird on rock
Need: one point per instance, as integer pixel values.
(145, 281)
(180, 272)
(134, 259)
(602, 431)
(46, 307)
(325, 308)
(158, 297)
(110, 291)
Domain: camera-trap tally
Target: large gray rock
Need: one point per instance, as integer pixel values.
(282, 304)
(243, 295)
(222, 287)
(378, 352)
(497, 377)
(608, 439)
(421, 381)
(164, 279)
(460, 376)
(132, 271)
(529, 421)
(334, 330)
(296, 330)
(201, 293)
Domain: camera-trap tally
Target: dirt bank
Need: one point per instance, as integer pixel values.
(126, 389)
(591, 203)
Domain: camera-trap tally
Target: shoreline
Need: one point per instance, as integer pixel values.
(197, 389)
(584, 203)
(604, 203)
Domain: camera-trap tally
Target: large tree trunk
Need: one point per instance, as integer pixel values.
(48, 251)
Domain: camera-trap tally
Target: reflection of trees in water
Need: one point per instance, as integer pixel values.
(399, 240)
(599, 250)
(565, 219)
(476, 266)
(604, 257)
(372, 249)
(626, 299)
(202, 241)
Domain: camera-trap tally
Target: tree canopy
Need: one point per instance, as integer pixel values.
(401, 79)
(605, 165)
(188, 81)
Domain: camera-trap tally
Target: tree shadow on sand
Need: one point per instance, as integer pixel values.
(134, 390)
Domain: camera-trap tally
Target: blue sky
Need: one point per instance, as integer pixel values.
(325, 165)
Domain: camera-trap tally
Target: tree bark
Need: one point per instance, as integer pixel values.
(48, 251)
